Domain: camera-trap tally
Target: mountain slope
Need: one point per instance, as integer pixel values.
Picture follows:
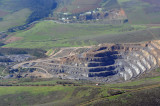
(137, 11)
(29, 10)
(48, 34)
(142, 11)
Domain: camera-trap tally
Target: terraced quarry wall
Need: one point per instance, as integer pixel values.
(105, 62)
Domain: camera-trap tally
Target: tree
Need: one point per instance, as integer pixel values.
(41, 9)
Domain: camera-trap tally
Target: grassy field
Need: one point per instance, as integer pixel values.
(71, 93)
(77, 6)
(16, 13)
(14, 19)
(110, 4)
(140, 12)
(48, 34)
(19, 12)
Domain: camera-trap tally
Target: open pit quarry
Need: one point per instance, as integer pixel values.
(104, 63)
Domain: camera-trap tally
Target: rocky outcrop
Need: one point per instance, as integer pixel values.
(105, 62)
(7, 60)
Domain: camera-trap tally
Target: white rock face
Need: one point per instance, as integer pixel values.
(136, 68)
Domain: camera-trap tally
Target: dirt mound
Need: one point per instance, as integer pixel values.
(3, 13)
(13, 39)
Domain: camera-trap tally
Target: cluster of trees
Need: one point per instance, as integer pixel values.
(1, 19)
(2, 44)
(41, 9)
(66, 83)
(115, 92)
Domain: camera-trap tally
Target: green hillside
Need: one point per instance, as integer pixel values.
(82, 93)
(141, 12)
(19, 12)
(14, 19)
(137, 11)
(48, 34)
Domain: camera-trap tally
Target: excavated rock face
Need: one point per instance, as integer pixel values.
(106, 62)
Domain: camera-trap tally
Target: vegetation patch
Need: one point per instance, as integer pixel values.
(14, 19)
(77, 6)
(58, 92)
(48, 34)
(156, 2)
(141, 11)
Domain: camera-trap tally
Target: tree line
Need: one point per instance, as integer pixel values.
(41, 9)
